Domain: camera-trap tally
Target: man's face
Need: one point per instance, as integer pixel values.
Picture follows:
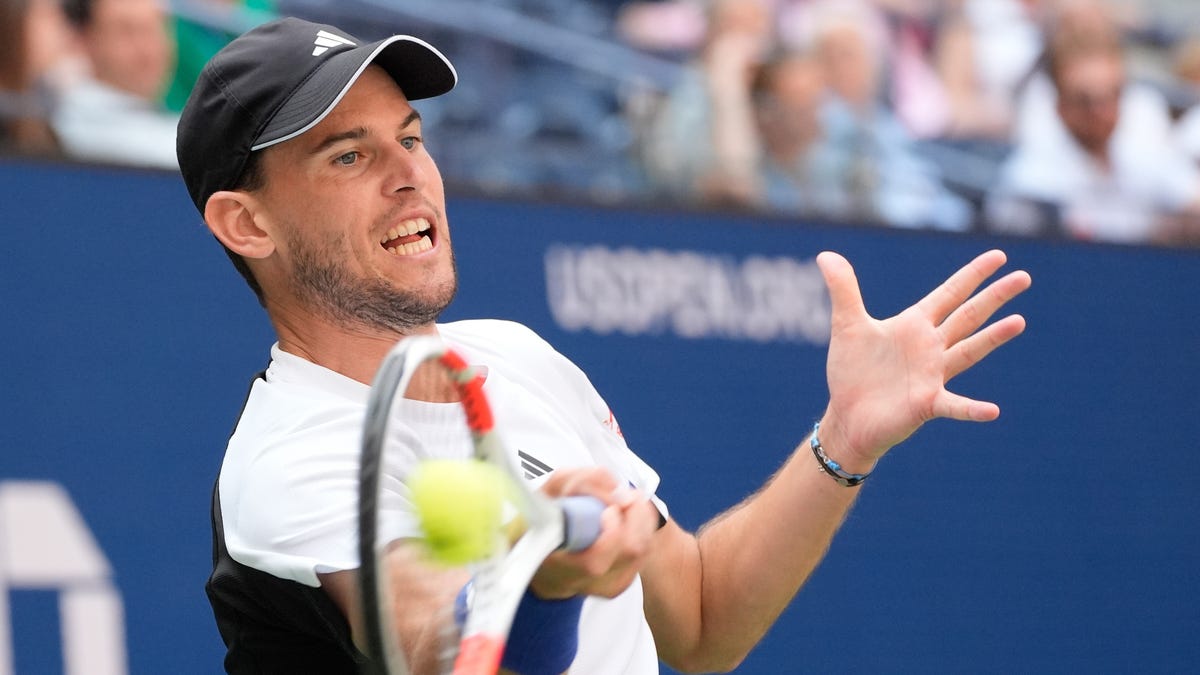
(849, 64)
(357, 211)
(129, 47)
(788, 112)
(1089, 99)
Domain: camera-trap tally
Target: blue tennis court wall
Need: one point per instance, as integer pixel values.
(1061, 538)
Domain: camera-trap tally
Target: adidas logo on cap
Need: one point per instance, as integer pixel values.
(325, 40)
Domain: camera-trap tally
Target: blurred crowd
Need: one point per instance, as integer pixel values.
(103, 80)
(85, 79)
(1015, 116)
(1069, 118)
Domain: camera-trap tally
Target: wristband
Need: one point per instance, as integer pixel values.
(831, 467)
(544, 635)
(462, 603)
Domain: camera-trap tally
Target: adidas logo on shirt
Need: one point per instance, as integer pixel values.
(533, 467)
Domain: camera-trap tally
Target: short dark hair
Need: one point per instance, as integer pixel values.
(1070, 48)
(78, 12)
(1076, 37)
(252, 178)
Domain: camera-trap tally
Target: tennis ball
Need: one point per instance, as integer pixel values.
(459, 505)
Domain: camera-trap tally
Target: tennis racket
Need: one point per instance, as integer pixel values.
(466, 631)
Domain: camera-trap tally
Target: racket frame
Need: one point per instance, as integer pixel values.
(501, 580)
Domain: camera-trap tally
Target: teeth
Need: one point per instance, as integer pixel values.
(412, 248)
(408, 227)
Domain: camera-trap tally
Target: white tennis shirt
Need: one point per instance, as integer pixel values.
(289, 481)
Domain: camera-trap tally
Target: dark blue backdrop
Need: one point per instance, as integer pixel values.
(1062, 537)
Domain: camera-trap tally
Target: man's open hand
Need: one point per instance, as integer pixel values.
(887, 378)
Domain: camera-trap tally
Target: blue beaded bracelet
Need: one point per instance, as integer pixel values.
(831, 467)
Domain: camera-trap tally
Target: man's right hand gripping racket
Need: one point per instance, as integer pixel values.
(424, 613)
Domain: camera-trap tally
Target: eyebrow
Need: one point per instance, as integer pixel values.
(357, 133)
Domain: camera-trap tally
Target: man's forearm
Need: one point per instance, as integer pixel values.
(748, 564)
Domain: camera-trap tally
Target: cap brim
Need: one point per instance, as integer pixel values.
(418, 68)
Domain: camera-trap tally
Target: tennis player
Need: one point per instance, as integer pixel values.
(301, 148)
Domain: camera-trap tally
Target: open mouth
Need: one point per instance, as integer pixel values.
(409, 238)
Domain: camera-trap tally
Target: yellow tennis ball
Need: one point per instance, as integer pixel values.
(459, 504)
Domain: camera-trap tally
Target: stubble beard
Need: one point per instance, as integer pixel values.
(355, 302)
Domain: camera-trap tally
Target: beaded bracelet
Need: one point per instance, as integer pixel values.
(831, 467)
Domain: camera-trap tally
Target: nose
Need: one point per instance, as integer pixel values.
(406, 171)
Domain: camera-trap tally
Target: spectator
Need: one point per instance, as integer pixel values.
(985, 50)
(1110, 177)
(886, 178)
(702, 142)
(788, 92)
(854, 160)
(1074, 20)
(113, 115)
(918, 93)
(196, 42)
(901, 34)
(28, 58)
(988, 51)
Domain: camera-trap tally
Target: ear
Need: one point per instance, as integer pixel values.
(230, 214)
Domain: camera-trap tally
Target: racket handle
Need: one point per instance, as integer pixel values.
(581, 521)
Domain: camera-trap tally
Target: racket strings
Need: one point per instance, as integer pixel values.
(451, 642)
(449, 635)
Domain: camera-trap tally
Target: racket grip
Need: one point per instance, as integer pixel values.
(581, 521)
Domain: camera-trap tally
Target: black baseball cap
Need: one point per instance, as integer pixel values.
(279, 80)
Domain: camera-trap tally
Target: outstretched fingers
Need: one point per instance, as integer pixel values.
(956, 407)
(953, 292)
(973, 313)
(974, 349)
(961, 312)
